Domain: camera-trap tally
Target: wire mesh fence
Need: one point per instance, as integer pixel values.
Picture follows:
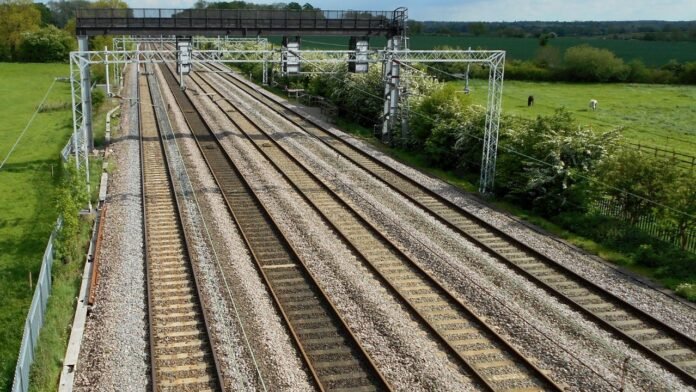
(35, 316)
(37, 310)
(649, 224)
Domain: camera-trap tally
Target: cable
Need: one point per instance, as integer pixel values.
(28, 124)
(640, 131)
(217, 261)
(511, 150)
(323, 43)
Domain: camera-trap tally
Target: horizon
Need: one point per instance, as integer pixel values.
(499, 10)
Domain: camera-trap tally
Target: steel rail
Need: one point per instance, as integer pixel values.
(513, 253)
(488, 381)
(317, 321)
(181, 374)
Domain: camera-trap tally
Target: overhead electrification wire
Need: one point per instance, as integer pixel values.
(28, 124)
(513, 151)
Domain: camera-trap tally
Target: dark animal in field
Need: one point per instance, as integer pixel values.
(530, 100)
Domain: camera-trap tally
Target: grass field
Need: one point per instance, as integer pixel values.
(657, 115)
(652, 53)
(26, 192)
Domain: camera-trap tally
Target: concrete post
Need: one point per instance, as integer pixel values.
(83, 46)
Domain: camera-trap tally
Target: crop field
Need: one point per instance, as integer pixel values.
(657, 115)
(652, 53)
(27, 191)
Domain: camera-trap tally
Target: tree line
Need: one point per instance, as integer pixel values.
(582, 63)
(37, 32)
(245, 5)
(651, 30)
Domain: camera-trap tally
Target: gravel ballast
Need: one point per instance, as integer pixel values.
(677, 312)
(113, 355)
(245, 294)
(408, 359)
(578, 341)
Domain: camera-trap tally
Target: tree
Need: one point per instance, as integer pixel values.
(477, 28)
(109, 4)
(46, 17)
(414, 27)
(681, 198)
(548, 57)
(294, 6)
(551, 163)
(688, 75)
(16, 17)
(45, 45)
(585, 63)
(63, 10)
(637, 183)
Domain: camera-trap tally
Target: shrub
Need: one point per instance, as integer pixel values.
(45, 45)
(98, 97)
(547, 163)
(588, 64)
(687, 290)
(634, 180)
(72, 196)
(688, 75)
(527, 70)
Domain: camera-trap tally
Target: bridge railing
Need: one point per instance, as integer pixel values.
(377, 21)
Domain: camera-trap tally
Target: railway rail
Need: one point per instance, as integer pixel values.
(492, 362)
(331, 352)
(181, 353)
(671, 348)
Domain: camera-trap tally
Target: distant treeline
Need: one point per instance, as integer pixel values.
(245, 5)
(652, 30)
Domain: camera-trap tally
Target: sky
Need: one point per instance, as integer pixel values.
(497, 10)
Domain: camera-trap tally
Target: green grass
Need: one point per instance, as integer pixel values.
(652, 53)
(656, 115)
(27, 210)
(27, 194)
(48, 361)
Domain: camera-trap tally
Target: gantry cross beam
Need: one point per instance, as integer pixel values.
(493, 59)
(214, 22)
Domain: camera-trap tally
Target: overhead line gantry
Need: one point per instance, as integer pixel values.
(359, 25)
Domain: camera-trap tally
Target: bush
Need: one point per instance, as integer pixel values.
(547, 164)
(527, 70)
(72, 196)
(98, 97)
(687, 290)
(688, 75)
(634, 180)
(48, 44)
(587, 64)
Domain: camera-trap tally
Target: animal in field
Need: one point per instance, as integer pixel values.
(530, 100)
(593, 104)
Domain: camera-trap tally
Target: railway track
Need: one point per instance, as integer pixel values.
(492, 362)
(181, 355)
(659, 341)
(333, 355)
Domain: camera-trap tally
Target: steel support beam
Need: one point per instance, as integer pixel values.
(490, 136)
(391, 58)
(83, 45)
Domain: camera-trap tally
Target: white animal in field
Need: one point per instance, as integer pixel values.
(593, 104)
